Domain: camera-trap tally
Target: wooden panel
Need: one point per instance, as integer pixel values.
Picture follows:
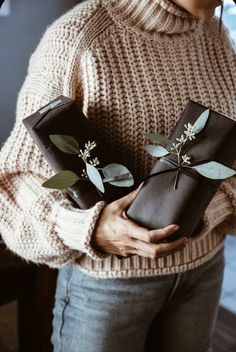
(224, 338)
(34, 288)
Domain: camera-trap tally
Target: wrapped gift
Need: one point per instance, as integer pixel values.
(179, 194)
(64, 117)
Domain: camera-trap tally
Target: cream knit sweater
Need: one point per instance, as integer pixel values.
(133, 65)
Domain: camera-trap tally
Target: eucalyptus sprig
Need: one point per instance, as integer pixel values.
(115, 174)
(211, 169)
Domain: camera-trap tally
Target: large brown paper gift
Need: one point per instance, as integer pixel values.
(63, 116)
(160, 202)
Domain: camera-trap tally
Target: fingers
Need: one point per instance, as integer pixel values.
(134, 230)
(150, 236)
(162, 233)
(153, 251)
(145, 243)
(141, 241)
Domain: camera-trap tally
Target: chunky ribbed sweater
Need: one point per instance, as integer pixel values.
(133, 65)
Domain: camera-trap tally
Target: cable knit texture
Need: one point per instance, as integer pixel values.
(132, 65)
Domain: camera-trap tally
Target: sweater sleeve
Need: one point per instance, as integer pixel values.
(38, 224)
(221, 212)
(222, 209)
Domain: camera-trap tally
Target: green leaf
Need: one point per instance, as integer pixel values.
(214, 170)
(156, 137)
(61, 180)
(67, 144)
(155, 150)
(95, 177)
(201, 121)
(117, 170)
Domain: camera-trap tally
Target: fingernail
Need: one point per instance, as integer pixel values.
(175, 227)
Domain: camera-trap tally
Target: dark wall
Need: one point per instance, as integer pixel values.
(20, 33)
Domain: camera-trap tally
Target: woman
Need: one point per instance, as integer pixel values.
(133, 65)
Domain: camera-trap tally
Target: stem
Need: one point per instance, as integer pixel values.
(117, 178)
(176, 179)
(84, 159)
(178, 157)
(99, 192)
(180, 150)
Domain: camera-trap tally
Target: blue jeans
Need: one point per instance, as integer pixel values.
(168, 313)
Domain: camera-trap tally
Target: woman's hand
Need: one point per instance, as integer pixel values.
(116, 234)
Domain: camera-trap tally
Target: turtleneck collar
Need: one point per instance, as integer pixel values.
(152, 16)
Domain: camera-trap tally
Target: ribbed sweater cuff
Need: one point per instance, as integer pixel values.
(221, 208)
(75, 227)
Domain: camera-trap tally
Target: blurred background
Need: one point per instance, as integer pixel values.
(26, 292)
(22, 24)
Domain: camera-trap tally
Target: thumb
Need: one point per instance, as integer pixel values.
(126, 200)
